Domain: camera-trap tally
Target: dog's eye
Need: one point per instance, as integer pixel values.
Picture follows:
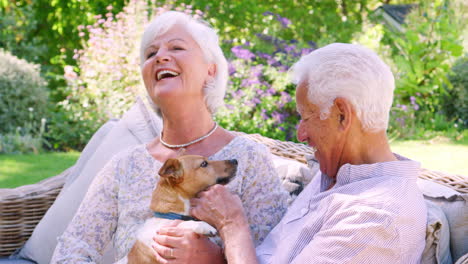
(204, 164)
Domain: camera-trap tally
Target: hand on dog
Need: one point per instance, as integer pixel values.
(218, 207)
(179, 245)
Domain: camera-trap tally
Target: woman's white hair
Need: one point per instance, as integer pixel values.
(207, 40)
(351, 72)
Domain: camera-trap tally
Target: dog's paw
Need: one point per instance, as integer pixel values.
(200, 227)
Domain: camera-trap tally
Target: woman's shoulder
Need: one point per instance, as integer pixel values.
(130, 154)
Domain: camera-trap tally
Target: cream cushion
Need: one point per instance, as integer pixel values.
(137, 126)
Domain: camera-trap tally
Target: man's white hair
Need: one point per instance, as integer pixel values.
(351, 72)
(207, 40)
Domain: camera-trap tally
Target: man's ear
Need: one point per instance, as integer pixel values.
(172, 171)
(212, 70)
(345, 112)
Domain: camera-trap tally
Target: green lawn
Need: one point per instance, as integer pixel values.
(17, 170)
(438, 154)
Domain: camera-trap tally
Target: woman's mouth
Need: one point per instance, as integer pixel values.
(164, 74)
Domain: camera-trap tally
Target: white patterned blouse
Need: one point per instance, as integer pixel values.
(117, 202)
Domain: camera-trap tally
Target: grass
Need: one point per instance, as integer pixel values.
(17, 170)
(439, 154)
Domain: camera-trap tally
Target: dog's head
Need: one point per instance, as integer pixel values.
(191, 174)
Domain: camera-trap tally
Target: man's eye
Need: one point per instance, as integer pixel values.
(178, 48)
(204, 164)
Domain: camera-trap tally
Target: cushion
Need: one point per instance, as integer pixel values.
(89, 150)
(437, 248)
(455, 207)
(293, 174)
(137, 126)
(14, 261)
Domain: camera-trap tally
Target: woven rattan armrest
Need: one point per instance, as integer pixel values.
(23, 207)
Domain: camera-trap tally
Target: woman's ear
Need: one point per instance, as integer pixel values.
(345, 112)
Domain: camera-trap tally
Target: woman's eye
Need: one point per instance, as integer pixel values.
(151, 54)
(204, 164)
(178, 48)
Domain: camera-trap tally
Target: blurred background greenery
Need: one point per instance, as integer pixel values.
(66, 67)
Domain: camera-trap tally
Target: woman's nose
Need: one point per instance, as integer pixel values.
(162, 56)
(301, 132)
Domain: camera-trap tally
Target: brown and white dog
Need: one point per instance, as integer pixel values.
(180, 179)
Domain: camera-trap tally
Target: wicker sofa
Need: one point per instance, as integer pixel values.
(23, 207)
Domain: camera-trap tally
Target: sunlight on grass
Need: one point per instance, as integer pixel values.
(17, 170)
(438, 154)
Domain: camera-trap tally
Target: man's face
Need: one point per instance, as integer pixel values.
(322, 135)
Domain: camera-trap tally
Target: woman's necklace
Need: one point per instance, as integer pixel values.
(191, 142)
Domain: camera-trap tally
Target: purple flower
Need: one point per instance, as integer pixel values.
(290, 48)
(264, 115)
(231, 69)
(284, 21)
(242, 53)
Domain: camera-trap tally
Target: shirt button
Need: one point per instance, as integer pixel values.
(304, 211)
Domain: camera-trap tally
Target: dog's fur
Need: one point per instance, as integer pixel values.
(180, 179)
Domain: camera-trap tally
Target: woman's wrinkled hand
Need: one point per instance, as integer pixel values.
(180, 245)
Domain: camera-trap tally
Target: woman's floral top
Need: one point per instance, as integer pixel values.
(118, 200)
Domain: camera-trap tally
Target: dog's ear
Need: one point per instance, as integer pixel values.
(172, 171)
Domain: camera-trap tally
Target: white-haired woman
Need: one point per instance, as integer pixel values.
(185, 74)
(366, 206)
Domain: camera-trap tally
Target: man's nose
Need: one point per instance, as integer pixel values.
(301, 133)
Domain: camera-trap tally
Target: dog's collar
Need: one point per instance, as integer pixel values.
(174, 216)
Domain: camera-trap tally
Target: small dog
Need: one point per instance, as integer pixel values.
(180, 179)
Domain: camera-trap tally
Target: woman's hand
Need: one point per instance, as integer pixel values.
(180, 245)
(218, 207)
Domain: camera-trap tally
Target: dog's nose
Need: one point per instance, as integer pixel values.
(233, 161)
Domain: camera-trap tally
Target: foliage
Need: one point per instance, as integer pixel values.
(107, 78)
(244, 20)
(13, 143)
(423, 54)
(23, 96)
(45, 32)
(261, 97)
(456, 101)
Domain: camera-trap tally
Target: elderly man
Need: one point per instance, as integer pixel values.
(365, 207)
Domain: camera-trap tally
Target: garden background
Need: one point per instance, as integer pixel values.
(67, 66)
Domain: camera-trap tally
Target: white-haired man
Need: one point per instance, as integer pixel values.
(365, 207)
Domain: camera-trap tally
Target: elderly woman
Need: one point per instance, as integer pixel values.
(366, 206)
(185, 74)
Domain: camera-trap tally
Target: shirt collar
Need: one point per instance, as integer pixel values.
(348, 173)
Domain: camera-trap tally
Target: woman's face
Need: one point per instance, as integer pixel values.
(175, 69)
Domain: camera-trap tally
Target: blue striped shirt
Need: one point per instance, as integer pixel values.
(374, 213)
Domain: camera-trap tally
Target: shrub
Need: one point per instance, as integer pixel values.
(260, 98)
(423, 54)
(23, 95)
(456, 100)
